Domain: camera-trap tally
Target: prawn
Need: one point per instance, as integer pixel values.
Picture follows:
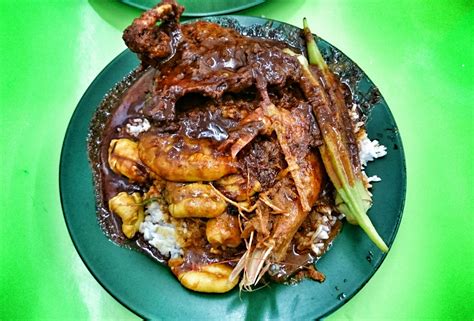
(178, 158)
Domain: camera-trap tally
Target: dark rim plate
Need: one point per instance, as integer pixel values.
(150, 290)
(199, 8)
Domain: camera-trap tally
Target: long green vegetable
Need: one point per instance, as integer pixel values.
(353, 199)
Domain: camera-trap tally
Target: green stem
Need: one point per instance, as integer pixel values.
(353, 195)
(314, 55)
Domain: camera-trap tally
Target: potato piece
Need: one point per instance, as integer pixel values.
(237, 188)
(124, 160)
(193, 200)
(130, 211)
(223, 230)
(213, 278)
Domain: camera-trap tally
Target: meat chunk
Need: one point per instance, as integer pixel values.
(154, 43)
(204, 58)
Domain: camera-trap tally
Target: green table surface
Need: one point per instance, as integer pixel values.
(419, 53)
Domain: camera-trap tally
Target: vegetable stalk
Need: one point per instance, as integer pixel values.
(353, 199)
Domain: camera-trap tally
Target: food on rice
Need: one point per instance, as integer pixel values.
(212, 160)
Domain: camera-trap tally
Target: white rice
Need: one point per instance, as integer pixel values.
(323, 230)
(317, 248)
(137, 126)
(159, 232)
(369, 150)
(355, 118)
(373, 178)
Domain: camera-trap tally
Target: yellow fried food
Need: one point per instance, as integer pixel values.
(223, 230)
(237, 188)
(124, 160)
(130, 210)
(182, 159)
(193, 200)
(212, 278)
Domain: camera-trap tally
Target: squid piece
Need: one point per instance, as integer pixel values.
(193, 200)
(124, 160)
(223, 230)
(237, 187)
(182, 159)
(130, 210)
(209, 278)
